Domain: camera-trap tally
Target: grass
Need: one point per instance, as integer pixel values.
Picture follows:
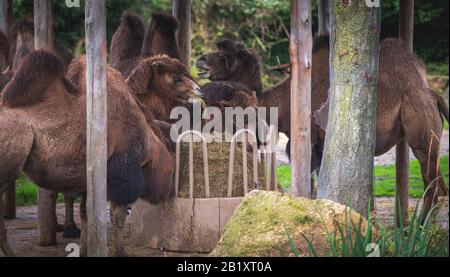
(26, 192)
(384, 178)
(416, 240)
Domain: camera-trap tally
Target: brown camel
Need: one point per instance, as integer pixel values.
(403, 95)
(407, 108)
(23, 43)
(233, 62)
(131, 43)
(42, 132)
(161, 84)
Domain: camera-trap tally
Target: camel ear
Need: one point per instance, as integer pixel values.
(140, 78)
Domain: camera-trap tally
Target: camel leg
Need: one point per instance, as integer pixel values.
(46, 217)
(4, 246)
(118, 217)
(423, 131)
(70, 227)
(432, 177)
(83, 217)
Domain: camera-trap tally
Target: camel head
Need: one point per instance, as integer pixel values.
(162, 83)
(232, 62)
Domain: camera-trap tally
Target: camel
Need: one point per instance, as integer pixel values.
(233, 62)
(43, 133)
(131, 43)
(161, 84)
(23, 43)
(403, 95)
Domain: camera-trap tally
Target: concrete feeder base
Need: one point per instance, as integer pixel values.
(182, 225)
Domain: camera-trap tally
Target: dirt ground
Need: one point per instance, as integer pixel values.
(23, 233)
(22, 236)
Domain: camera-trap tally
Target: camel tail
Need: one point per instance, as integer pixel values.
(442, 105)
(38, 71)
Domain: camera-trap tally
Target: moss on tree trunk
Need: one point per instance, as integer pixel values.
(346, 175)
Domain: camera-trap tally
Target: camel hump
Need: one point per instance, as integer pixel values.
(133, 21)
(127, 42)
(164, 21)
(35, 74)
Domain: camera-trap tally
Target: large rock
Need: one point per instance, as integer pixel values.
(262, 222)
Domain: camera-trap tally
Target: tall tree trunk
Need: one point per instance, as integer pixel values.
(43, 40)
(5, 28)
(406, 33)
(182, 11)
(324, 17)
(96, 116)
(346, 175)
(301, 53)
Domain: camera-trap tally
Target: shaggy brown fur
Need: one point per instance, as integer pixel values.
(161, 84)
(4, 52)
(46, 139)
(233, 62)
(229, 94)
(129, 45)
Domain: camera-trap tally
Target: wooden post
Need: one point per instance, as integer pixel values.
(346, 175)
(43, 40)
(6, 16)
(182, 11)
(96, 116)
(301, 61)
(5, 28)
(406, 33)
(43, 25)
(324, 17)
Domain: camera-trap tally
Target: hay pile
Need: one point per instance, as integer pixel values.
(219, 158)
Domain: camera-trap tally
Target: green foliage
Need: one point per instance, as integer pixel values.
(262, 24)
(384, 178)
